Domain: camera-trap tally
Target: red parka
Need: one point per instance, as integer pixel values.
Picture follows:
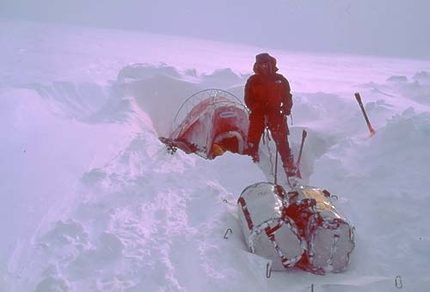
(268, 96)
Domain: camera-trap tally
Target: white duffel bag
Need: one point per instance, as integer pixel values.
(328, 234)
(268, 231)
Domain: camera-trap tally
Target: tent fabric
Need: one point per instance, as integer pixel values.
(213, 126)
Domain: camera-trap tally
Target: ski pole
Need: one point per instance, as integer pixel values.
(276, 166)
(358, 97)
(304, 135)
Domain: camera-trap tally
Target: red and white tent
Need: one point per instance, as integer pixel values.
(210, 123)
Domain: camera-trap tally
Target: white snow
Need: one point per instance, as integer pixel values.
(91, 200)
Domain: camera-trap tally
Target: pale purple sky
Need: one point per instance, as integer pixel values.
(382, 27)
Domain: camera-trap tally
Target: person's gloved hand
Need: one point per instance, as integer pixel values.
(285, 110)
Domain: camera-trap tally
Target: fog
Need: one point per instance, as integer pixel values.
(92, 201)
(394, 28)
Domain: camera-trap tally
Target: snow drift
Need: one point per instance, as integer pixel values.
(91, 201)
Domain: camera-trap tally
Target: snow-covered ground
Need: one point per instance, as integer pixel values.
(91, 200)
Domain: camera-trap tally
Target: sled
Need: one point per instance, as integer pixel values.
(301, 228)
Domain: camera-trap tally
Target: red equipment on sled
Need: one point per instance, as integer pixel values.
(210, 123)
(301, 228)
(328, 234)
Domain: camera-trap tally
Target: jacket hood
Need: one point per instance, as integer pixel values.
(265, 58)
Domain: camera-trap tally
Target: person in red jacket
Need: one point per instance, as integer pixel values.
(268, 97)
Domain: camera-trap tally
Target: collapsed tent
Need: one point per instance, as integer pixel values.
(210, 123)
(301, 228)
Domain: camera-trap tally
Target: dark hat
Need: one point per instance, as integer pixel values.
(263, 58)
